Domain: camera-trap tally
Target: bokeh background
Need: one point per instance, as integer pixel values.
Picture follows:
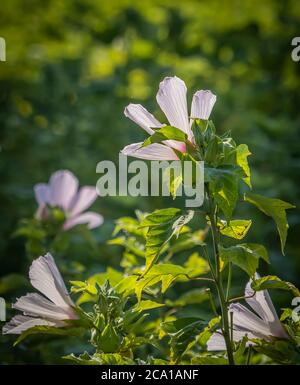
(73, 65)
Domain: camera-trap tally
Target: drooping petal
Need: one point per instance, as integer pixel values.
(45, 277)
(63, 187)
(262, 304)
(82, 200)
(20, 323)
(138, 114)
(217, 341)
(171, 98)
(202, 104)
(91, 219)
(42, 193)
(35, 305)
(245, 320)
(155, 151)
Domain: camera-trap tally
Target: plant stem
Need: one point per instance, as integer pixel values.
(219, 284)
(228, 281)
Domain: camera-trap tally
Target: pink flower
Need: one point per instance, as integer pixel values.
(262, 323)
(171, 98)
(37, 309)
(62, 192)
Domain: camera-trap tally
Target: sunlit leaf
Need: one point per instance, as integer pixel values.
(236, 228)
(246, 256)
(274, 208)
(273, 282)
(242, 153)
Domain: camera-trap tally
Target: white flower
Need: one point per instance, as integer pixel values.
(262, 323)
(171, 98)
(37, 309)
(62, 191)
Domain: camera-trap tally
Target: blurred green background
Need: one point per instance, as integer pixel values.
(73, 65)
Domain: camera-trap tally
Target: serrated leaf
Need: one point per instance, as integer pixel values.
(236, 228)
(163, 225)
(275, 208)
(246, 256)
(242, 153)
(165, 273)
(273, 282)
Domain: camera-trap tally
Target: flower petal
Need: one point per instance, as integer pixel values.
(155, 151)
(217, 341)
(45, 277)
(34, 304)
(90, 218)
(245, 320)
(262, 304)
(63, 186)
(42, 193)
(171, 98)
(138, 114)
(82, 200)
(20, 323)
(202, 104)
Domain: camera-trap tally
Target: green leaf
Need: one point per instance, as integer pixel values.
(236, 228)
(162, 226)
(186, 241)
(205, 335)
(147, 305)
(165, 273)
(280, 351)
(183, 335)
(165, 133)
(111, 275)
(196, 265)
(246, 256)
(174, 179)
(273, 282)
(242, 153)
(109, 341)
(223, 182)
(127, 285)
(43, 329)
(100, 359)
(274, 208)
(209, 360)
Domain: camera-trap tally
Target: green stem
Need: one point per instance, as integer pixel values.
(229, 280)
(249, 355)
(219, 284)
